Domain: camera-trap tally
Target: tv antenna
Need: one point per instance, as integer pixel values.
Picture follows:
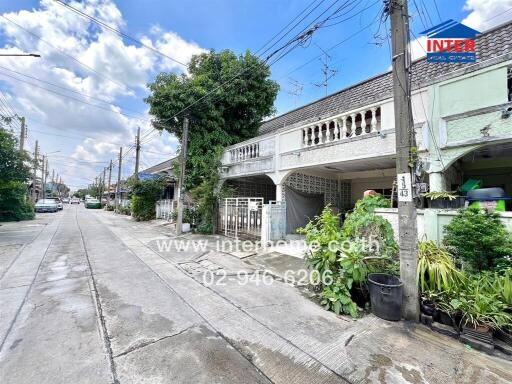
(296, 90)
(327, 71)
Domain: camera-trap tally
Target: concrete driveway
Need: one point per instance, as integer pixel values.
(90, 297)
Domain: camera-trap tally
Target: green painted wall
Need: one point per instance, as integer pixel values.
(474, 92)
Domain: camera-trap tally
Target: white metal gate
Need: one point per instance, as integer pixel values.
(274, 221)
(240, 217)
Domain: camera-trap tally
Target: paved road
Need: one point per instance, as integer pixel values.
(89, 297)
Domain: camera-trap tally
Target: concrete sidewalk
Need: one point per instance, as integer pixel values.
(275, 322)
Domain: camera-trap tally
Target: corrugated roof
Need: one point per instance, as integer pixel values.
(491, 44)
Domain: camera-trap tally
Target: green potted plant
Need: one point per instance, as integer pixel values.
(444, 200)
(437, 275)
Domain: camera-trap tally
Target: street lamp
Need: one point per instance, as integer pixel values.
(20, 54)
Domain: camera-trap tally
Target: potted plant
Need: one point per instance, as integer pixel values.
(444, 200)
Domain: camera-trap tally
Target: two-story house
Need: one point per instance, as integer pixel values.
(331, 150)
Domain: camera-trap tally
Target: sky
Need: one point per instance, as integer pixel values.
(84, 96)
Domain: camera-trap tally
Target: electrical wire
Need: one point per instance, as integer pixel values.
(118, 32)
(65, 88)
(73, 98)
(87, 67)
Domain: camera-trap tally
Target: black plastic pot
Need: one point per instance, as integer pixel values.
(385, 296)
(444, 318)
(359, 296)
(428, 308)
(458, 202)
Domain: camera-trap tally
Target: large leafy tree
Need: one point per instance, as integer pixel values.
(242, 96)
(14, 172)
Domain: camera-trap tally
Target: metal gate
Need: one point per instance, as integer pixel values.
(240, 217)
(274, 221)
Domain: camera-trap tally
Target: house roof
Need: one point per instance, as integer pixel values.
(163, 166)
(492, 44)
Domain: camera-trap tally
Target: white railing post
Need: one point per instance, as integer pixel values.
(374, 120)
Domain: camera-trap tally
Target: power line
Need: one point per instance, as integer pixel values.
(89, 68)
(65, 88)
(437, 11)
(74, 98)
(118, 32)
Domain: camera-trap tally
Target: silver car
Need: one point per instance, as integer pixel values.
(46, 205)
(58, 201)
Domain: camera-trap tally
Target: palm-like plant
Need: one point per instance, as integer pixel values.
(436, 269)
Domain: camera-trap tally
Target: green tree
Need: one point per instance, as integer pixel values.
(242, 96)
(480, 239)
(14, 173)
(145, 194)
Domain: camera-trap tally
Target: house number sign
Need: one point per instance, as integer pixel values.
(404, 187)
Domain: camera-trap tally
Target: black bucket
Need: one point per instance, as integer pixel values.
(385, 296)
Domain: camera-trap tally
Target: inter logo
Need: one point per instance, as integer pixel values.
(451, 42)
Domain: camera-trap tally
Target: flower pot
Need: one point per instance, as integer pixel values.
(504, 335)
(444, 318)
(428, 308)
(482, 328)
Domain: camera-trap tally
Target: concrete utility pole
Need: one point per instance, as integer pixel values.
(109, 180)
(34, 176)
(183, 162)
(118, 186)
(23, 133)
(103, 184)
(137, 153)
(43, 175)
(404, 131)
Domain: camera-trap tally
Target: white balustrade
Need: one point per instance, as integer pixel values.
(361, 123)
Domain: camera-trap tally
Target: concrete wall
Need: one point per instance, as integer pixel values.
(431, 222)
(473, 92)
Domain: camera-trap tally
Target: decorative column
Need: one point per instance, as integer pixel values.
(374, 120)
(353, 126)
(343, 127)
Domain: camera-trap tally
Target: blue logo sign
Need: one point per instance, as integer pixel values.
(451, 42)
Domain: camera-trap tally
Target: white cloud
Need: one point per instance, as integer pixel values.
(485, 14)
(130, 65)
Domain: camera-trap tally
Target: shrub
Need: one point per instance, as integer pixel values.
(13, 204)
(362, 222)
(479, 239)
(145, 194)
(345, 261)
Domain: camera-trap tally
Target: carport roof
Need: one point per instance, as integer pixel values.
(491, 44)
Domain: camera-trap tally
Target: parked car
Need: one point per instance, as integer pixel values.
(74, 200)
(92, 203)
(46, 205)
(58, 201)
(65, 200)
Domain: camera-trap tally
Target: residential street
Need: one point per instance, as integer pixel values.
(87, 298)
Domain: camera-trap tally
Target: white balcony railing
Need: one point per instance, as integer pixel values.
(253, 150)
(245, 152)
(343, 127)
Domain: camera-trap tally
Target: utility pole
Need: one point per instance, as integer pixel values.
(103, 184)
(109, 180)
(43, 175)
(405, 141)
(34, 178)
(137, 153)
(23, 133)
(118, 186)
(183, 162)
